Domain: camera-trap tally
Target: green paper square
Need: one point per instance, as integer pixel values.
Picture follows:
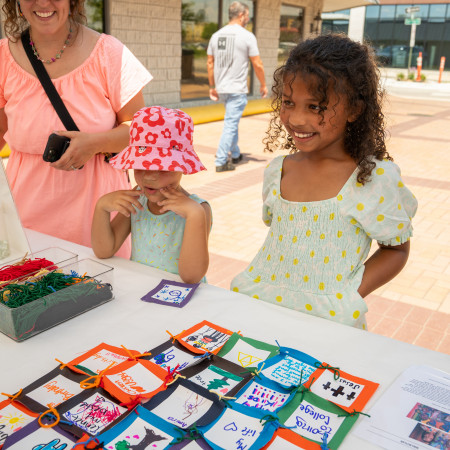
(315, 417)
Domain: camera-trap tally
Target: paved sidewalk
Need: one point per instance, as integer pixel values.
(415, 306)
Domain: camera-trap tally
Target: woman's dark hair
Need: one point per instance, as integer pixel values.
(334, 61)
(15, 23)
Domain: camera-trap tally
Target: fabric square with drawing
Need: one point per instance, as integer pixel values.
(184, 404)
(218, 375)
(33, 436)
(247, 352)
(311, 417)
(172, 355)
(52, 389)
(240, 427)
(171, 293)
(100, 358)
(132, 380)
(13, 417)
(92, 411)
(204, 337)
(347, 391)
(141, 429)
(290, 368)
(264, 395)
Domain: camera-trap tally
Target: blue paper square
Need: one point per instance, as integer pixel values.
(171, 293)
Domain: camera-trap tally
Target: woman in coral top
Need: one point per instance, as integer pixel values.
(100, 83)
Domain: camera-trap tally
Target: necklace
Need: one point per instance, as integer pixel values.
(58, 55)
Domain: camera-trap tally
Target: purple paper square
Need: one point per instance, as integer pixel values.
(171, 293)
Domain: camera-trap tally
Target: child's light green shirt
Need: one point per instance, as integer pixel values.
(156, 239)
(313, 257)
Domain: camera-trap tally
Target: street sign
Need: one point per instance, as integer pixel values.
(415, 21)
(412, 9)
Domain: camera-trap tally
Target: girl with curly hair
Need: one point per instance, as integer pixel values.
(336, 191)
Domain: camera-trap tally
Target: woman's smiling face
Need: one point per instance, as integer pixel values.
(46, 16)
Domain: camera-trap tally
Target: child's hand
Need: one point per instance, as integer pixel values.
(178, 202)
(124, 202)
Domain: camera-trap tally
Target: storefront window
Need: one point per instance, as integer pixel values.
(200, 19)
(335, 22)
(387, 13)
(291, 30)
(391, 42)
(95, 14)
(437, 13)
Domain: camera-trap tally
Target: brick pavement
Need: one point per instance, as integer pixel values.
(415, 306)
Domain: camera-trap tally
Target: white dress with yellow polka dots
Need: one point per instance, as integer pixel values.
(156, 239)
(313, 257)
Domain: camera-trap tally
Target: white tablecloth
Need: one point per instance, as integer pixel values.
(128, 321)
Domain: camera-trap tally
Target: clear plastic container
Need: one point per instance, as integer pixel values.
(27, 320)
(56, 255)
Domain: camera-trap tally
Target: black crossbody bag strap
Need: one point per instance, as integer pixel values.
(48, 85)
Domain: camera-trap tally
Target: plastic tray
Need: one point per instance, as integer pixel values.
(25, 321)
(56, 255)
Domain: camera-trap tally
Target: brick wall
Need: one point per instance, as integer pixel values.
(151, 29)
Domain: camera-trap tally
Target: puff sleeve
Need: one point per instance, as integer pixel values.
(271, 188)
(383, 207)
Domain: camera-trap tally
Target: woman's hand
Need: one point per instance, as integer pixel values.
(83, 146)
(124, 202)
(178, 202)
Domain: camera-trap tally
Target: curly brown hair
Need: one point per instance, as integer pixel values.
(334, 61)
(15, 23)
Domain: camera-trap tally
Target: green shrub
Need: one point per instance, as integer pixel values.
(422, 77)
(411, 76)
(400, 76)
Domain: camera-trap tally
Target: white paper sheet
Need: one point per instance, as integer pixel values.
(413, 413)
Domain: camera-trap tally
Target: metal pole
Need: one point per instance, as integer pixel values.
(412, 41)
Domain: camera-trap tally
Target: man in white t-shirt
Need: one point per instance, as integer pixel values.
(229, 50)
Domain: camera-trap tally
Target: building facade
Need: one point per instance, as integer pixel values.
(170, 37)
(388, 27)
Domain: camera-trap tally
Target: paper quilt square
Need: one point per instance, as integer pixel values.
(33, 436)
(184, 404)
(311, 417)
(13, 417)
(171, 293)
(290, 368)
(247, 352)
(134, 379)
(171, 354)
(345, 390)
(239, 427)
(52, 389)
(92, 411)
(141, 429)
(218, 375)
(204, 337)
(264, 395)
(99, 358)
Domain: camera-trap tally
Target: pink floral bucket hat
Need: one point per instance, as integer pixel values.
(160, 139)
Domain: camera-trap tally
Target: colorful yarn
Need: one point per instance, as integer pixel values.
(24, 267)
(16, 295)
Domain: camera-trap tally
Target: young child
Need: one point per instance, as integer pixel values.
(336, 191)
(169, 227)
